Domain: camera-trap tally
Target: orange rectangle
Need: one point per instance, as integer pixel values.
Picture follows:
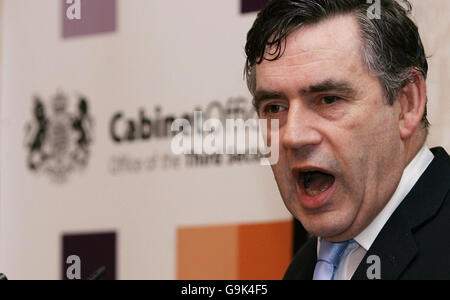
(235, 252)
(207, 253)
(265, 250)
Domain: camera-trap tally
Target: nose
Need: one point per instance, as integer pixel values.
(300, 129)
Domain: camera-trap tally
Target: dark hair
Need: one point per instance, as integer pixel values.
(392, 44)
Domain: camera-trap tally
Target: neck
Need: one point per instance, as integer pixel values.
(413, 145)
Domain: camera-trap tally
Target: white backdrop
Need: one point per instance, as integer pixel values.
(176, 54)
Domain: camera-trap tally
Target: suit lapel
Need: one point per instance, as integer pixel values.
(310, 264)
(396, 248)
(395, 245)
(305, 262)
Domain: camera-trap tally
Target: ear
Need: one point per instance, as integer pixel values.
(413, 100)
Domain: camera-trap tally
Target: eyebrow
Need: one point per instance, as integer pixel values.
(329, 85)
(262, 95)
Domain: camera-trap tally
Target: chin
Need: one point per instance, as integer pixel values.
(330, 225)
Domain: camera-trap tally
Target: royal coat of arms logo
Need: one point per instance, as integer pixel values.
(58, 142)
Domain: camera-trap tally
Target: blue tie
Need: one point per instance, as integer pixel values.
(329, 257)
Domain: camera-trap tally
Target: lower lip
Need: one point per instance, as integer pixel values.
(315, 202)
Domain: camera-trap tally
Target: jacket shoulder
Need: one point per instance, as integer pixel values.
(433, 243)
(414, 244)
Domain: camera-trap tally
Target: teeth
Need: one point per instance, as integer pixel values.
(313, 193)
(324, 188)
(313, 190)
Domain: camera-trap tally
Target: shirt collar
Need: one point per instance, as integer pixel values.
(411, 175)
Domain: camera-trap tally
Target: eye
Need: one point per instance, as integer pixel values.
(272, 109)
(329, 100)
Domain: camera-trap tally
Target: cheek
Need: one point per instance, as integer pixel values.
(368, 126)
(281, 172)
(382, 135)
(286, 183)
(367, 150)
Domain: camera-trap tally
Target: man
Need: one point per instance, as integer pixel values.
(349, 92)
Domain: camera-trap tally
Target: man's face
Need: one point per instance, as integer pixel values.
(340, 147)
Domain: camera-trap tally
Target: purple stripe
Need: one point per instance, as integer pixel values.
(94, 250)
(248, 6)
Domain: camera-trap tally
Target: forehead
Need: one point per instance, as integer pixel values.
(331, 48)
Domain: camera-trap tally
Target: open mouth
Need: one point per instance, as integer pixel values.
(315, 182)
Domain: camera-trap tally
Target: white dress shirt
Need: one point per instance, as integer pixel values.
(355, 253)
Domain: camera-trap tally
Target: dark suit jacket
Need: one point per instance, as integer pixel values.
(414, 243)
